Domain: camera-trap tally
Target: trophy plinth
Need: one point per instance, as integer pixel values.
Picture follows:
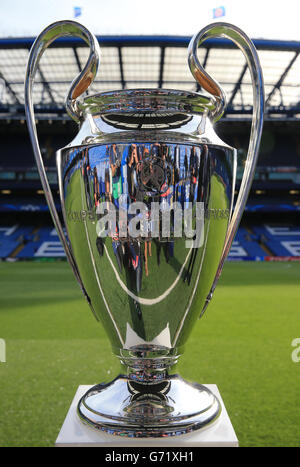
(75, 433)
(147, 192)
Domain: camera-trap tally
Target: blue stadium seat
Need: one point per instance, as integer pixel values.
(7, 246)
(248, 243)
(42, 249)
(11, 237)
(280, 240)
(44, 243)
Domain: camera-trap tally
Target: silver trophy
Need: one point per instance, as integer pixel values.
(147, 196)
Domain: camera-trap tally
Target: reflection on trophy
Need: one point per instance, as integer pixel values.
(147, 195)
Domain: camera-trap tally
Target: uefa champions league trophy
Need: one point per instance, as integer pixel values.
(147, 196)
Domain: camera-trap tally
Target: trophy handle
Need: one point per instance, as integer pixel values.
(237, 36)
(78, 86)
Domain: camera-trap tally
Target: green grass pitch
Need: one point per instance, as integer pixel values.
(242, 344)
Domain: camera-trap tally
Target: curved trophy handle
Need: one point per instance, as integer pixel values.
(78, 86)
(236, 35)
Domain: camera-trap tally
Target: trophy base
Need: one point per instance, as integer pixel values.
(172, 407)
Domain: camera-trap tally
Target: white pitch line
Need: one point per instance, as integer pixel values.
(147, 301)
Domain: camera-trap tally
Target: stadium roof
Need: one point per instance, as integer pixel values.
(150, 62)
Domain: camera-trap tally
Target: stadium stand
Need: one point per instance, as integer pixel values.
(270, 227)
(12, 237)
(245, 245)
(280, 240)
(255, 242)
(44, 243)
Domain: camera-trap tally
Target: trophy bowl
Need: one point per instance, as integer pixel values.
(147, 196)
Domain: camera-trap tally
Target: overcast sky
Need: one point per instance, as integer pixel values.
(268, 19)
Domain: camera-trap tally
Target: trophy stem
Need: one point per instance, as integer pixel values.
(148, 364)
